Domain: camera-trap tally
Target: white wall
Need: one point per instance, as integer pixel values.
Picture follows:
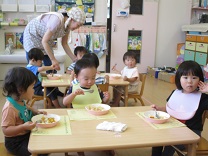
(172, 14)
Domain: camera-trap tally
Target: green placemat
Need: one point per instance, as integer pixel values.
(62, 128)
(171, 123)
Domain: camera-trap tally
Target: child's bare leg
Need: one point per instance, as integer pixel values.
(56, 103)
(116, 98)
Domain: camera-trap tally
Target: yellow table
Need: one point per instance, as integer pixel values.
(85, 137)
(63, 82)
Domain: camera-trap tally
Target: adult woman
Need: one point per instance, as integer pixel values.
(41, 32)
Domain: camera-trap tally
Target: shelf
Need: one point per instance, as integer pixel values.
(200, 8)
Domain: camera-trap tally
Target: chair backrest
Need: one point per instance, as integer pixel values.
(204, 116)
(103, 87)
(142, 78)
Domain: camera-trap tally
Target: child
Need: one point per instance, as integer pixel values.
(129, 73)
(16, 115)
(79, 51)
(187, 79)
(78, 94)
(35, 65)
(99, 79)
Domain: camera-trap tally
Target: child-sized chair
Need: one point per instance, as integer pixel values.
(138, 95)
(202, 146)
(3, 150)
(38, 98)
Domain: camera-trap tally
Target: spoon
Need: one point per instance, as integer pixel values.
(156, 114)
(90, 90)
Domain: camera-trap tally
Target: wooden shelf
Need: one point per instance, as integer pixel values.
(200, 8)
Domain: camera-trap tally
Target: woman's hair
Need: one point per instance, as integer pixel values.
(92, 57)
(79, 49)
(82, 64)
(35, 54)
(130, 54)
(17, 81)
(186, 68)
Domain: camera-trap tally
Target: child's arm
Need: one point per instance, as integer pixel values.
(153, 106)
(35, 111)
(203, 87)
(133, 79)
(16, 130)
(106, 97)
(45, 68)
(115, 70)
(69, 98)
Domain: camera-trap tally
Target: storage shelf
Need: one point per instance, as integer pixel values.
(200, 8)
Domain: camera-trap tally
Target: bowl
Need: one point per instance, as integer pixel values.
(98, 109)
(150, 116)
(181, 115)
(54, 76)
(46, 121)
(115, 76)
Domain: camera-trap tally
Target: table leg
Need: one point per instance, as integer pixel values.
(126, 96)
(45, 100)
(191, 149)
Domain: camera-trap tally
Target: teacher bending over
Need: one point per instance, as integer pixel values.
(42, 30)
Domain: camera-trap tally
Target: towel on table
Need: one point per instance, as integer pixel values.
(112, 126)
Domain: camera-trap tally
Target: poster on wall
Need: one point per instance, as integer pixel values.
(135, 42)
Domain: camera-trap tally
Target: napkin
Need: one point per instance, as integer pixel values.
(112, 126)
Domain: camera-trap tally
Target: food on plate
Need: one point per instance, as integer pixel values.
(53, 76)
(151, 116)
(46, 119)
(96, 108)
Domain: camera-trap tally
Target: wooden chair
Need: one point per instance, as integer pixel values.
(103, 87)
(138, 95)
(38, 98)
(202, 146)
(4, 151)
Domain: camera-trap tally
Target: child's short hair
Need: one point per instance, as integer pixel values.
(92, 57)
(82, 64)
(17, 81)
(129, 54)
(79, 49)
(186, 68)
(35, 54)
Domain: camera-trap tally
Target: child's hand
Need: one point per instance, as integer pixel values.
(29, 125)
(155, 107)
(125, 78)
(106, 97)
(203, 87)
(79, 92)
(98, 72)
(114, 67)
(42, 112)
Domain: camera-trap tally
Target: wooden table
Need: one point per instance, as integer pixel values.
(65, 82)
(139, 133)
(119, 82)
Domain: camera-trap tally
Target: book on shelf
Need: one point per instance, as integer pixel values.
(13, 38)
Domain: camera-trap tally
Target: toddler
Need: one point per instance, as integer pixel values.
(129, 73)
(35, 65)
(16, 115)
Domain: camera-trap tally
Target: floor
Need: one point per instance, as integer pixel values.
(155, 92)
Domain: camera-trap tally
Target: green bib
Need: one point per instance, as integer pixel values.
(24, 113)
(80, 101)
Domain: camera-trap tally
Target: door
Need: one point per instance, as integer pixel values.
(146, 23)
